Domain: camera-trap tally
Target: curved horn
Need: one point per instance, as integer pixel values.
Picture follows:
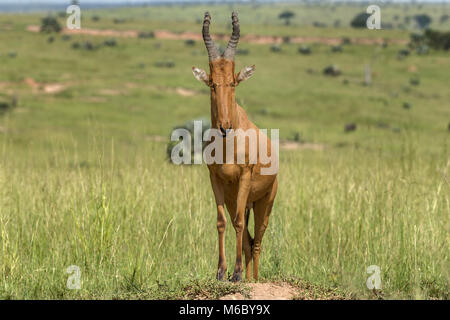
(232, 44)
(213, 52)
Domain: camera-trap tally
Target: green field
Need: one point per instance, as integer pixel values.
(84, 178)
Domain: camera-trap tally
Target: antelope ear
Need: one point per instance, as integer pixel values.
(201, 75)
(245, 73)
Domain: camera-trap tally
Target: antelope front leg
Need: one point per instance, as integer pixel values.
(244, 189)
(221, 224)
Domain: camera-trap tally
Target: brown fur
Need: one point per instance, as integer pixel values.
(239, 187)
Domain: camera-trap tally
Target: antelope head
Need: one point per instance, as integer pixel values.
(222, 79)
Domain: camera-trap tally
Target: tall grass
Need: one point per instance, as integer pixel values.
(134, 223)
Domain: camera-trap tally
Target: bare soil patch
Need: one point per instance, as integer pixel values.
(49, 88)
(251, 38)
(184, 92)
(265, 291)
(412, 68)
(157, 138)
(293, 145)
(110, 92)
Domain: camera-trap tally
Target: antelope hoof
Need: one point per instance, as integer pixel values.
(220, 274)
(237, 276)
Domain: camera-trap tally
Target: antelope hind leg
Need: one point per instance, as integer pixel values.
(248, 244)
(261, 211)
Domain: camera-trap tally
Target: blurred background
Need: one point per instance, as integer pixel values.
(86, 116)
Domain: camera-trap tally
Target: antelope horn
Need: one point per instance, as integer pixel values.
(213, 52)
(232, 44)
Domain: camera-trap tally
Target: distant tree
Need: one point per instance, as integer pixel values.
(286, 16)
(75, 2)
(360, 20)
(422, 20)
(50, 24)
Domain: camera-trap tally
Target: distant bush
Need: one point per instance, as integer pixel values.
(65, 37)
(402, 53)
(414, 81)
(87, 45)
(318, 24)
(286, 39)
(332, 70)
(190, 42)
(437, 40)
(4, 106)
(50, 24)
(275, 48)
(336, 49)
(12, 54)
(146, 35)
(50, 39)
(350, 127)
(443, 18)
(416, 38)
(164, 64)
(110, 42)
(118, 20)
(263, 111)
(304, 50)
(422, 49)
(95, 18)
(346, 41)
(406, 105)
(242, 52)
(430, 38)
(360, 20)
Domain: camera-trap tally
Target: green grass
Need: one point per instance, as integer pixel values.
(83, 183)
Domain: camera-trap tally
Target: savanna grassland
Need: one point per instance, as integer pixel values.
(84, 178)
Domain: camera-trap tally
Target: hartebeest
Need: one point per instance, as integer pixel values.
(239, 186)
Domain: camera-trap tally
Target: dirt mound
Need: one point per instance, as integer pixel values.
(265, 291)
